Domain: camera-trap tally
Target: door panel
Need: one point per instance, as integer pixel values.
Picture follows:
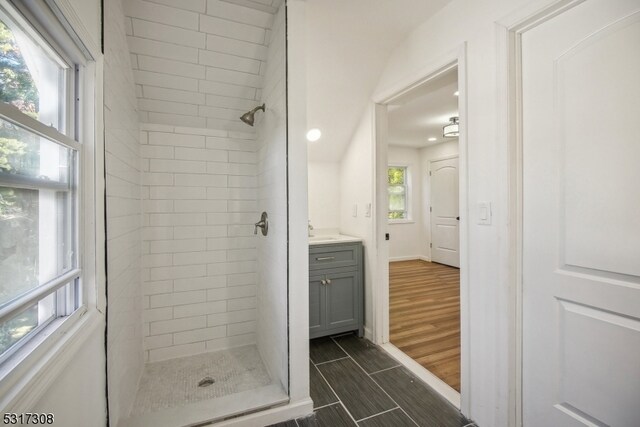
(445, 232)
(581, 217)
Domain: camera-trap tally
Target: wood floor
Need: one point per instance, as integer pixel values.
(424, 316)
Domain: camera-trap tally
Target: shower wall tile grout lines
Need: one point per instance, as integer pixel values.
(199, 251)
(198, 63)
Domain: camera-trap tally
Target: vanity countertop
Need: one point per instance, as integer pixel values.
(327, 239)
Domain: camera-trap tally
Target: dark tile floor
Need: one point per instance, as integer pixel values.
(355, 383)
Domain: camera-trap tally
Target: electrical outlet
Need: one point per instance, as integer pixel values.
(367, 210)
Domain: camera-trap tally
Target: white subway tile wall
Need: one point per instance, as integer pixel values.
(124, 218)
(199, 63)
(200, 258)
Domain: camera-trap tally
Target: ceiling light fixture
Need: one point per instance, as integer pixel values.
(313, 135)
(456, 93)
(451, 130)
(432, 139)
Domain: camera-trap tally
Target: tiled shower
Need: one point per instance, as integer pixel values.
(197, 302)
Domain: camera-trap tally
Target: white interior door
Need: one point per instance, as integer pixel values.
(581, 217)
(445, 215)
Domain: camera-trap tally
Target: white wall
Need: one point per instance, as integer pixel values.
(77, 396)
(198, 63)
(408, 239)
(272, 198)
(357, 162)
(324, 195)
(199, 249)
(124, 218)
(486, 396)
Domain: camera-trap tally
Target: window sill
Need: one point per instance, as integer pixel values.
(28, 374)
(401, 221)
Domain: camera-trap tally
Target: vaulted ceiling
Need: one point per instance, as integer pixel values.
(200, 63)
(348, 45)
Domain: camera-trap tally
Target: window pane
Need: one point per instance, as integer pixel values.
(32, 78)
(397, 215)
(36, 239)
(18, 327)
(396, 176)
(397, 201)
(26, 154)
(23, 324)
(397, 190)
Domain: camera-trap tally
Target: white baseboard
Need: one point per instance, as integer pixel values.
(418, 370)
(368, 334)
(410, 258)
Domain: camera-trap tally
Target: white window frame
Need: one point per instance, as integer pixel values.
(25, 376)
(407, 195)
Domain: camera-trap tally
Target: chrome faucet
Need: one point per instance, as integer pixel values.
(310, 228)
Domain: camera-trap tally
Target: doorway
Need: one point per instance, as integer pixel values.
(419, 171)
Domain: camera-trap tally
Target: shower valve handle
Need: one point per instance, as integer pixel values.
(263, 224)
(260, 224)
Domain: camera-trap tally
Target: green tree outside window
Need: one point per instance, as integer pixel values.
(397, 188)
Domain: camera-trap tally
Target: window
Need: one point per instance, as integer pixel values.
(40, 275)
(398, 185)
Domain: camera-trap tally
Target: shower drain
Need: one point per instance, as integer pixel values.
(206, 382)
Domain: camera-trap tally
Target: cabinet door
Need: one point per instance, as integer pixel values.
(343, 296)
(317, 303)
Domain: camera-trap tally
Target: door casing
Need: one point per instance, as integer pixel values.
(380, 273)
(509, 35)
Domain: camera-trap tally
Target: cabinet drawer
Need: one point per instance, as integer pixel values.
(321, 258)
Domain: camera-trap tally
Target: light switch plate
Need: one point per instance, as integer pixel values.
(367, 210)
(354, 211)
(484, 213)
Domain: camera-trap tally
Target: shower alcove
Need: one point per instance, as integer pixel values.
(197, 303)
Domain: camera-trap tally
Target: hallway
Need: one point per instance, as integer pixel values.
(424, 316)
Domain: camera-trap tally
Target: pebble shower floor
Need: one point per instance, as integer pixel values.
(177, 382)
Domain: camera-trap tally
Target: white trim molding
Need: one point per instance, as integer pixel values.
(64, 9)
(25, 384)
(291, 411)
(455, 59)
(410, 258)
(509, 38)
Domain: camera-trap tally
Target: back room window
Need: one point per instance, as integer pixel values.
(397, 187)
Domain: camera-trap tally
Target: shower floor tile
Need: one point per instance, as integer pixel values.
(174, 382)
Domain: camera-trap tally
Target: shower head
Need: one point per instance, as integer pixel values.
(248, 117)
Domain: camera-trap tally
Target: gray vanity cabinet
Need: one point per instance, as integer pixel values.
(335, 289)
